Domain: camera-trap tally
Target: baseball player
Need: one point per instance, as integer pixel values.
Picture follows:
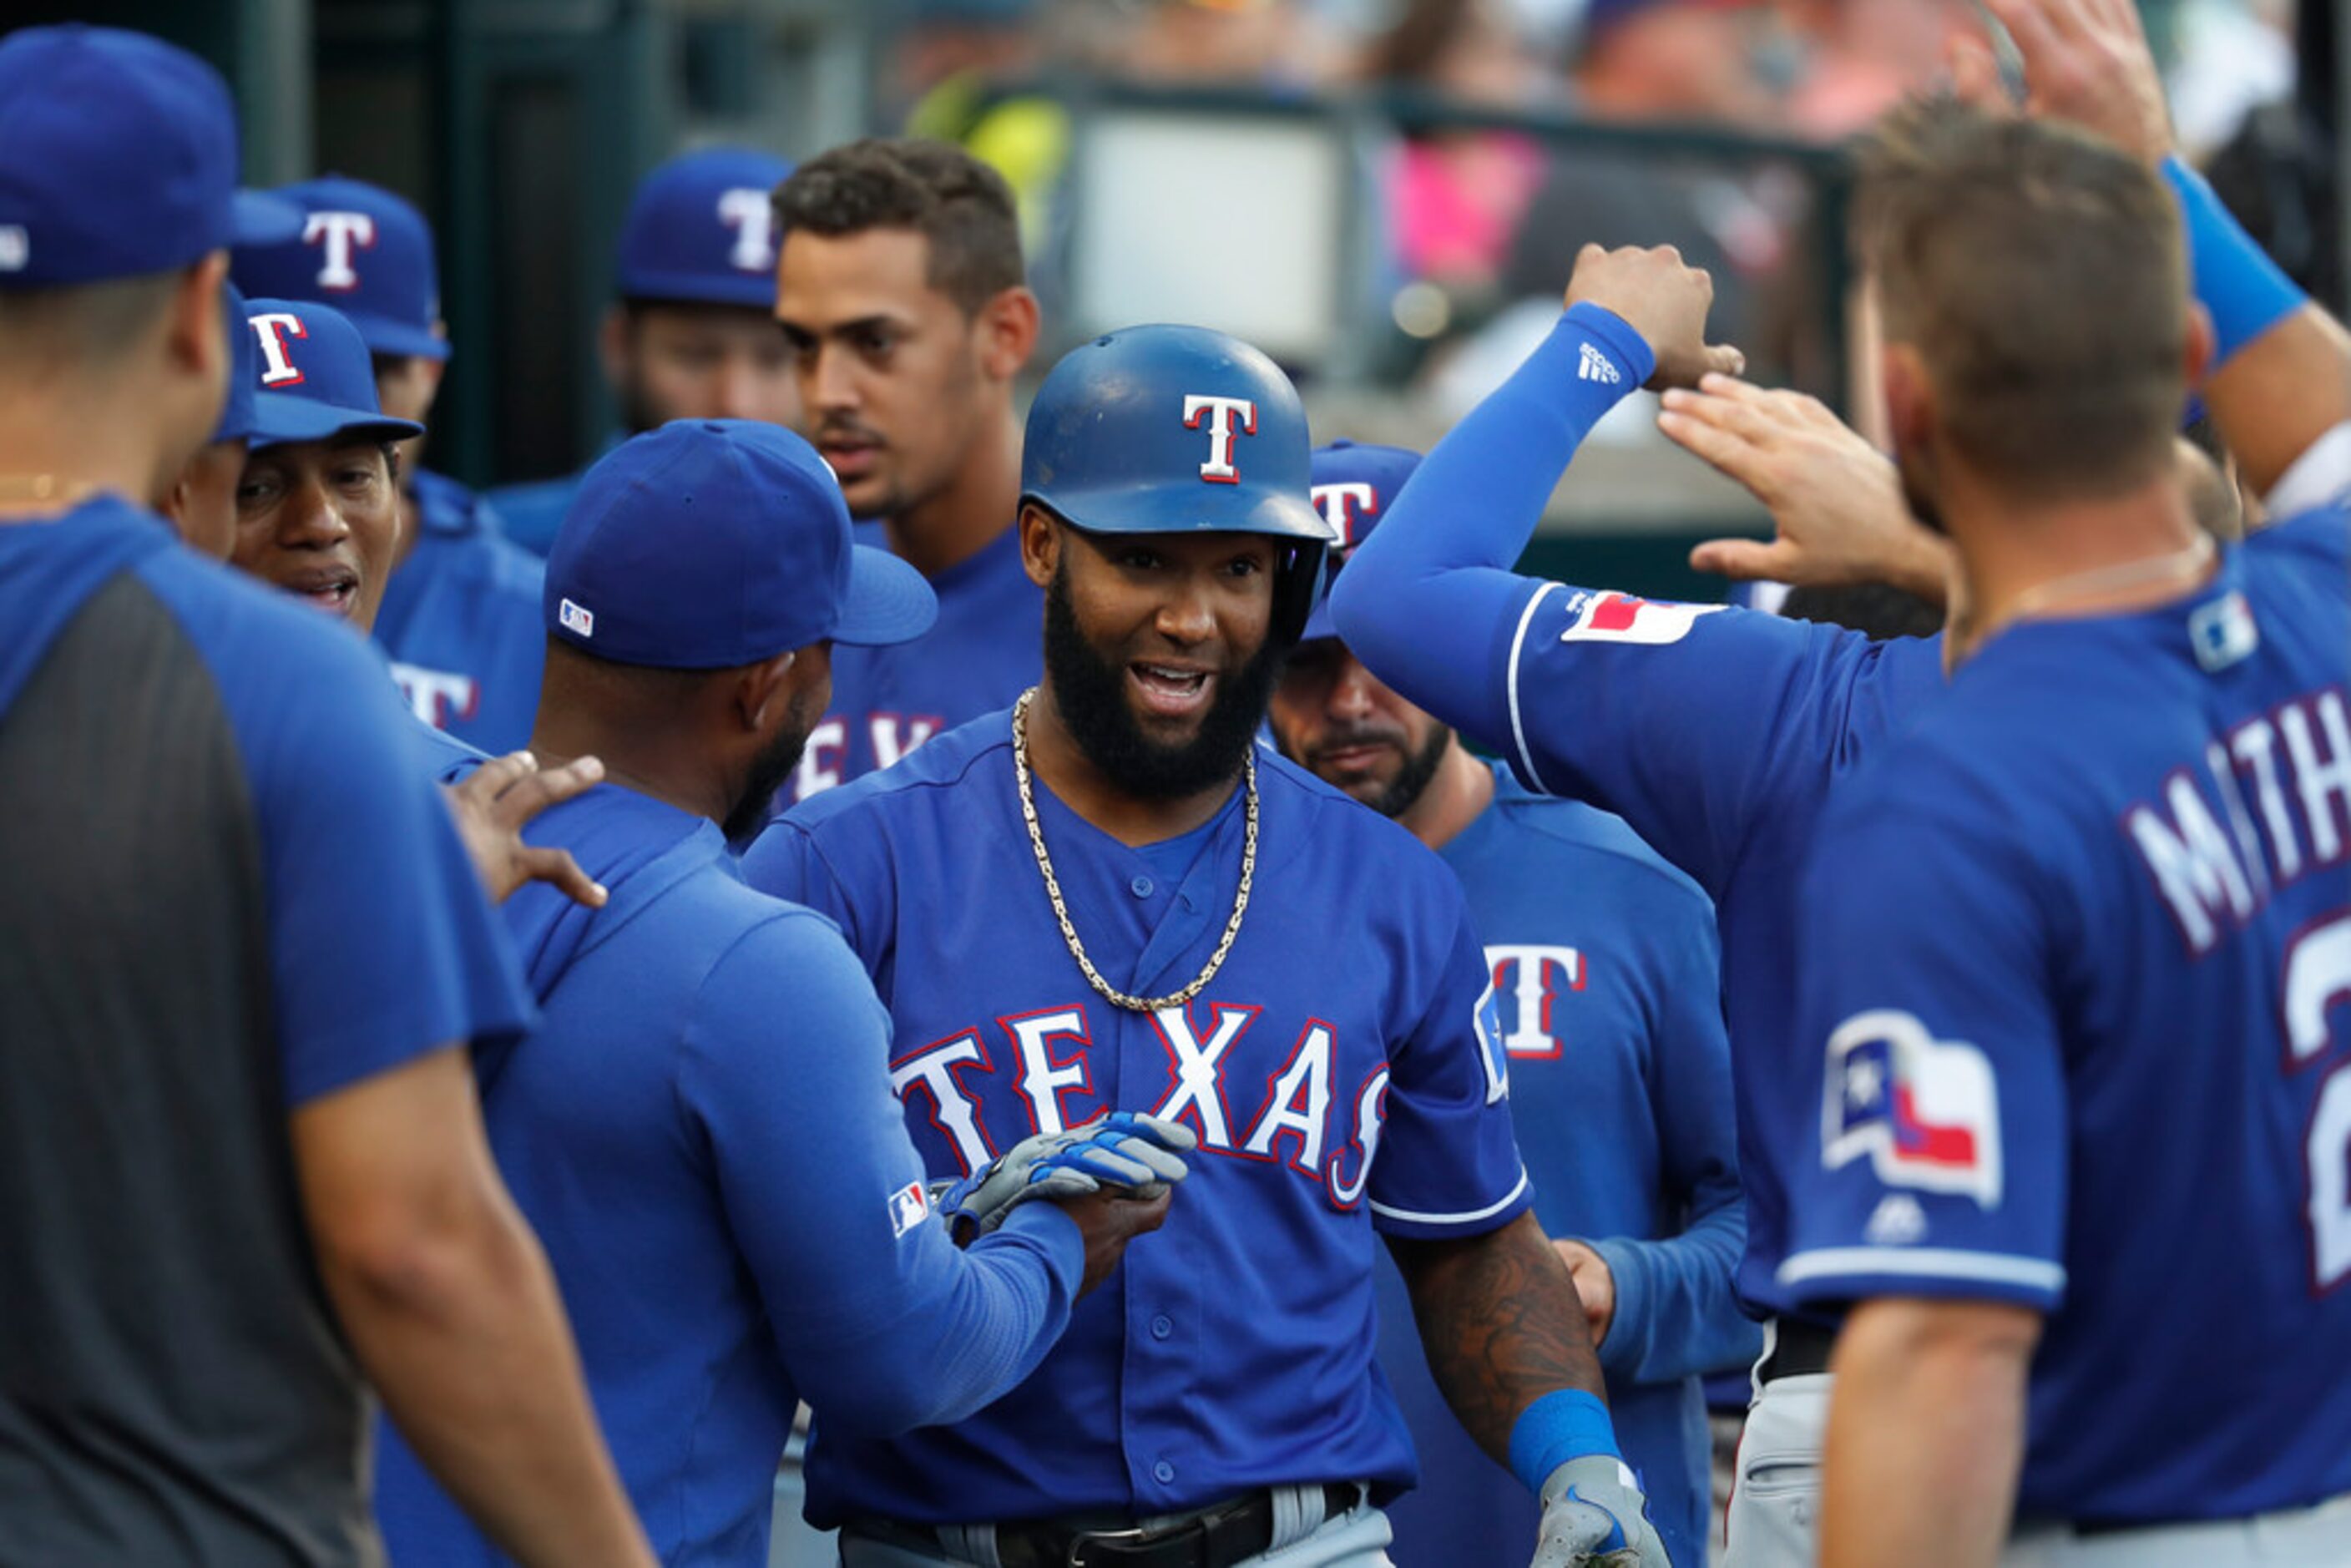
(1719, 734)
(689, 334)
(318, 508)
(240, 1166)
(202, 500)
(2096, 904)
(460, 615)
(1603, 965)
(1106, 898)
(702, 1130)
(902, 290)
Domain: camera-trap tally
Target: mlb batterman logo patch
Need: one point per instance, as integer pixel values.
(1925, 1110)
(576, 618)
(909, 1206)
(1622, 618)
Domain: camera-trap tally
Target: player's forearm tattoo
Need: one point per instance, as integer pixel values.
(1501, 1324)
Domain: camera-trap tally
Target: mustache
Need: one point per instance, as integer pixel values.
(1341, 740)
(847, 430)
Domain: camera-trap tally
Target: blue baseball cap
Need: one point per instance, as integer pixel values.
(312, 378)
(362, 250)
(118, 158)
(237, 421)
(702, 231)
(710, 543)
(1352, 485)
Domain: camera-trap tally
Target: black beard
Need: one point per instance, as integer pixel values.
(1419, 767)
(1091, 694)
(769, 771)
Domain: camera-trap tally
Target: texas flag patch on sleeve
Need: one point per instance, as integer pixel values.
(909, 1206)
(1924, 1112)
(1623, 618)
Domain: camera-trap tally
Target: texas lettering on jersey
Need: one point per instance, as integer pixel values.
(1305, 1116)
(891, 734)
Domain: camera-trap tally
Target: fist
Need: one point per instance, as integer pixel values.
(1664, 300)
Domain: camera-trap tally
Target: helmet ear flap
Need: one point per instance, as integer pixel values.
(1297, 585)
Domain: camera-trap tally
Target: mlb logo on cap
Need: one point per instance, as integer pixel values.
(573, 616)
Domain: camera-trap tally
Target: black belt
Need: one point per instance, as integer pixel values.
(1215, 1537)
(1799, 1349)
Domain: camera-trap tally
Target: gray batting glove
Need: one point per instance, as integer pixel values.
(1593, 1516)
(1136, 1155)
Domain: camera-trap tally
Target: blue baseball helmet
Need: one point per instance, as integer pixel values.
(1159, 430)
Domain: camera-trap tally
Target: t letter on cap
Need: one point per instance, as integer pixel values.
(752, 218)
(340, 232)
(1219, 468)
(273, 328)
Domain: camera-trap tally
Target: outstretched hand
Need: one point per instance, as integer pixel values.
(2086, 64)
(493, 803)
(1835, 501)
(1662, 299)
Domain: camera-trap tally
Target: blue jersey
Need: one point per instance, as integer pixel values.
(463, 624)
(1718, 734)
(702, 1134)
(983, 653)
(531, 514)
(2080, 977)
(381, 946)
(1332, 1100)
(1603, 966)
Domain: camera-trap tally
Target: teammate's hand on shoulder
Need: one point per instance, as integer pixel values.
(1593, 1516)
(2087, 63)
(1662, 299)
(493, 803)
(1595, 1284)
(1835, 500)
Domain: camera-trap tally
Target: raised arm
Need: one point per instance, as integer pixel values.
(2279, 380)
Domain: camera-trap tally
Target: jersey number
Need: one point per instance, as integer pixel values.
(2318, 978)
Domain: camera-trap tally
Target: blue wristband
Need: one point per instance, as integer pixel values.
(2244, 291)
(1564, 1425)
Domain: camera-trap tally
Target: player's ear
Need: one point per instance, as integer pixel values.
(763, 689)
(2199, 344)
(1008, 333)
(197, 329)
(1040, 545)
(1910, 397)
(614, 344)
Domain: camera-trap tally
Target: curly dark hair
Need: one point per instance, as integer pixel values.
(959, 204)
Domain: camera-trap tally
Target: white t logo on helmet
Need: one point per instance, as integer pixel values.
(1221, 412)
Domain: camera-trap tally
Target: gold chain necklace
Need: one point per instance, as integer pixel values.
(1062, 910)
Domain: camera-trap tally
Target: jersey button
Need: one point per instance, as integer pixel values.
(1139, 887)
(1163, 1472)
(1162, 1326)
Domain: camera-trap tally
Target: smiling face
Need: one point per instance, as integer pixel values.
(320, 519)
(1158, 648)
